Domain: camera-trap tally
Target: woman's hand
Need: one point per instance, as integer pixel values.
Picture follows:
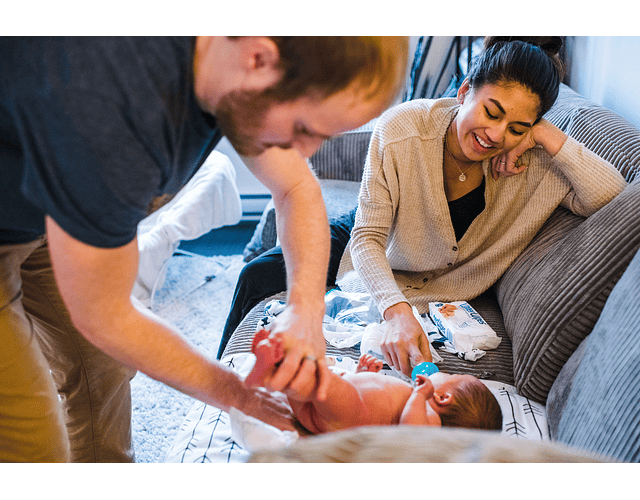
(509, 163)
(543, 134)
(404, 344)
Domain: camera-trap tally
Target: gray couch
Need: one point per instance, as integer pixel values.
(568, 311)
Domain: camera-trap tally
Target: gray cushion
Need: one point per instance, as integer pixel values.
(339, 159)
(264, 236)
(594, 404)
(553, 293)
(342, 157)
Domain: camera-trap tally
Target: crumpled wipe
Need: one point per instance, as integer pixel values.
(346, 316)
(253, 434)
(373, 334)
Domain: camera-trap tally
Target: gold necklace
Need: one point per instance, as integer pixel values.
(461, 177)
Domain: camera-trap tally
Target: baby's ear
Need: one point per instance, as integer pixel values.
(443, 398)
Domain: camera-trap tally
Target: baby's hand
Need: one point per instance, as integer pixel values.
(423, 386)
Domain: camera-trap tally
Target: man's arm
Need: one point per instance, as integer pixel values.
(95, 284)
(304, 235)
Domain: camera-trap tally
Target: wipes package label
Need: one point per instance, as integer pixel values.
(463, 326)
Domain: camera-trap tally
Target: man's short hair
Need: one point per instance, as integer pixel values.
(328, 64)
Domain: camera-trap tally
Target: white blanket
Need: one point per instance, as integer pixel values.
(208, 434)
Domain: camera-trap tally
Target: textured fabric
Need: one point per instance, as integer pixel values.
(94, 388)
(552, 296)
(601, 413)
(209, 200)
(553, 293)
(603, 131)
(410, 444)
(343, 156)
(340, 197)
(92, 129)
(496, 364)
(403, 221)
(264, 236)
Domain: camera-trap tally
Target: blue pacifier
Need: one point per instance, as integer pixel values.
(424, 368)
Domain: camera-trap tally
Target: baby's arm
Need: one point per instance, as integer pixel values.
(415, 411)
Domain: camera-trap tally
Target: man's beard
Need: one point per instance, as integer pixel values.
(240, 116)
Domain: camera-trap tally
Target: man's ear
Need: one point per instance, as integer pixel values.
(259, 57)
(462, 91)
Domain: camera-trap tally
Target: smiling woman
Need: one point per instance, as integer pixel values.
(443, 207)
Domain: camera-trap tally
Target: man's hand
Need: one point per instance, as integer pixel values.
(404, 344)
(271, 408)
(303, 373)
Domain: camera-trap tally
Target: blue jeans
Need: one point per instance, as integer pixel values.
(266, 275)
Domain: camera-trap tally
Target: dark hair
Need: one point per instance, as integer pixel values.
(474, 406)
(533, 62)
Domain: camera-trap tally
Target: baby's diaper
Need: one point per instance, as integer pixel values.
(463, 326)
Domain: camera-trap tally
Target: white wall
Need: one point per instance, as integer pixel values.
(606, 70)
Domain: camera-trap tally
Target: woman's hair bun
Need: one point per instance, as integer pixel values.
(550, 44)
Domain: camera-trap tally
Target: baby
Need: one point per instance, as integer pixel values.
(371, 398)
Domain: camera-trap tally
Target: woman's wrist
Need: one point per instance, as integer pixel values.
(550, 137)
(397, 310)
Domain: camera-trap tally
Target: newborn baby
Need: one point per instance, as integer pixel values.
(368, 397)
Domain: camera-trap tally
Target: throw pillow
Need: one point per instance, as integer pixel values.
(553, 293)
(594, 405)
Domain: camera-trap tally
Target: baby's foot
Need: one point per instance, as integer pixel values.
(369, 363)
(269, 352)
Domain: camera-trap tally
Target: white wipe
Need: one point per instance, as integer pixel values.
(463, 326)
(374, 334)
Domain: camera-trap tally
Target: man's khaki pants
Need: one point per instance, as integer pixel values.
(61, 398)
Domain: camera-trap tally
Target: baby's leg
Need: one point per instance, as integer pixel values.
(369, 363)
(269, 352)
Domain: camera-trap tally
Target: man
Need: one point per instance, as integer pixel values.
(91, 130)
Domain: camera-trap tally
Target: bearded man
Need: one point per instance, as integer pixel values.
(91, 131)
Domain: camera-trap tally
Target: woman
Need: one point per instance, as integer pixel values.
(453, 191)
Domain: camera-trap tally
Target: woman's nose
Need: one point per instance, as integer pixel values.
(496, 134)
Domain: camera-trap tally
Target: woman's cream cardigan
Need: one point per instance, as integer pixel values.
(403, 243)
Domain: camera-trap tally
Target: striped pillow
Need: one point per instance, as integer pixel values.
(343, 156)
(553, 293)
(595, 403)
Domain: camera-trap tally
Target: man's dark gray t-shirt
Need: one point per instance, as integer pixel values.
(92, 129)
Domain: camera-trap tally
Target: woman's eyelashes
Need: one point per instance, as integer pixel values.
(495, 117)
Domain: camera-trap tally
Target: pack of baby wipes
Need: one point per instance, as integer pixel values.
(463, 326)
